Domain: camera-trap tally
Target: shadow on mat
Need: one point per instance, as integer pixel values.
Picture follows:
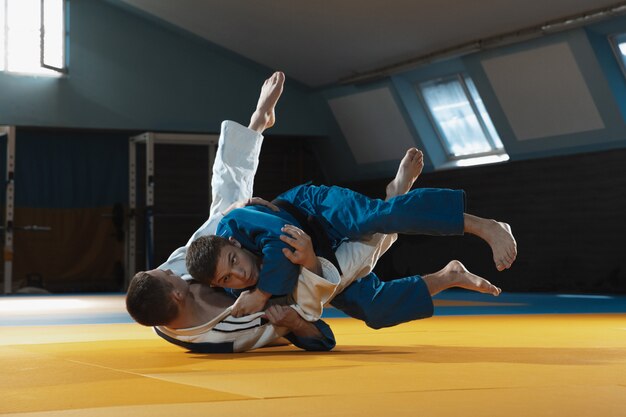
(442, 354)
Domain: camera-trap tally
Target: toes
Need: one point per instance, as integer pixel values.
(411, 153)
(490, 288)
(487, 287)
(505, 263)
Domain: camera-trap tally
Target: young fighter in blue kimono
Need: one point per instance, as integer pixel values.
(249, 253)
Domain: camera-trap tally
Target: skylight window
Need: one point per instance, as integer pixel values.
(32, 36)
(460, 118)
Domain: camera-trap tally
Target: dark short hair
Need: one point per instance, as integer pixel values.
(202, 257)
(149, 300)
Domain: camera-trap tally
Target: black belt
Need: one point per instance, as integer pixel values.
(312, 226)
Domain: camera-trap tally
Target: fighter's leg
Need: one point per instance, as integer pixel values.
(351, 215)
(410, 168)
(264, 115)
(358, 258)
(498, 235)
(237, 156)
(428, 211)
(383, 304)
(456, 275)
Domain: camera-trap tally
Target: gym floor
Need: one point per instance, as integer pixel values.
(515, 355)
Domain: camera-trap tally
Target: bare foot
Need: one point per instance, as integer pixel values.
(498, 235)
(264, 116)
(410, 168)
(456, 275)
(502, 244)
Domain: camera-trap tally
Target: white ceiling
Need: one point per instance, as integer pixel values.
(322, 42)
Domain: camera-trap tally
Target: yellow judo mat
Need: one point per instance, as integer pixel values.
(456, 365)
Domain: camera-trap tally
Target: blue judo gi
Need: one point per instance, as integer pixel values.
(348, 215)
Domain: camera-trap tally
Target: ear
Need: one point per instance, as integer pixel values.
(178, 296)
(234, 242)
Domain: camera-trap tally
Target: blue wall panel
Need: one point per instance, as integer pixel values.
(70, 170)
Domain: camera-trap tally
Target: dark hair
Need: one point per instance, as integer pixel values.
(202, 257)
(149, 300)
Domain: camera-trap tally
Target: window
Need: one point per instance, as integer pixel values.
(32, 36)
(460, 118)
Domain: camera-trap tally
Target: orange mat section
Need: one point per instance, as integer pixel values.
(538, 365)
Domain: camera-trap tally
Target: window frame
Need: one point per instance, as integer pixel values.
(450, 156)
(621, 58)
(5, 55)
(63, 70)
(42, 46)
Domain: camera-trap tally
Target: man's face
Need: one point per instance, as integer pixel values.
(177, 282)
(236, 268)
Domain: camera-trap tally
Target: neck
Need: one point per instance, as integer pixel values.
(188, 314)
(257, 259)
(201, 305)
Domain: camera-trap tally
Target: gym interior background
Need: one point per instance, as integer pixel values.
(557, 102)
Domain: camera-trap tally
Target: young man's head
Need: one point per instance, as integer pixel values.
(153, 297)
(222, 263)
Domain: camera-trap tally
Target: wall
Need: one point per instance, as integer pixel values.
(590, 82)
(131, 73)
(69, 181)
(127, 71)
(566, 213)
(563, 194)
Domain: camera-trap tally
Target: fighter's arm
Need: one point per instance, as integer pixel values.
(303, 334)
(255, 331)
(302, 249)
(356, 259)
(254, 201)
(314, 289)
(323, 339)
(277, 276)
(259, 230)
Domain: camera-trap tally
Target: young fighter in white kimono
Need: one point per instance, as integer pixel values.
(200, 316)
(198, 309)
